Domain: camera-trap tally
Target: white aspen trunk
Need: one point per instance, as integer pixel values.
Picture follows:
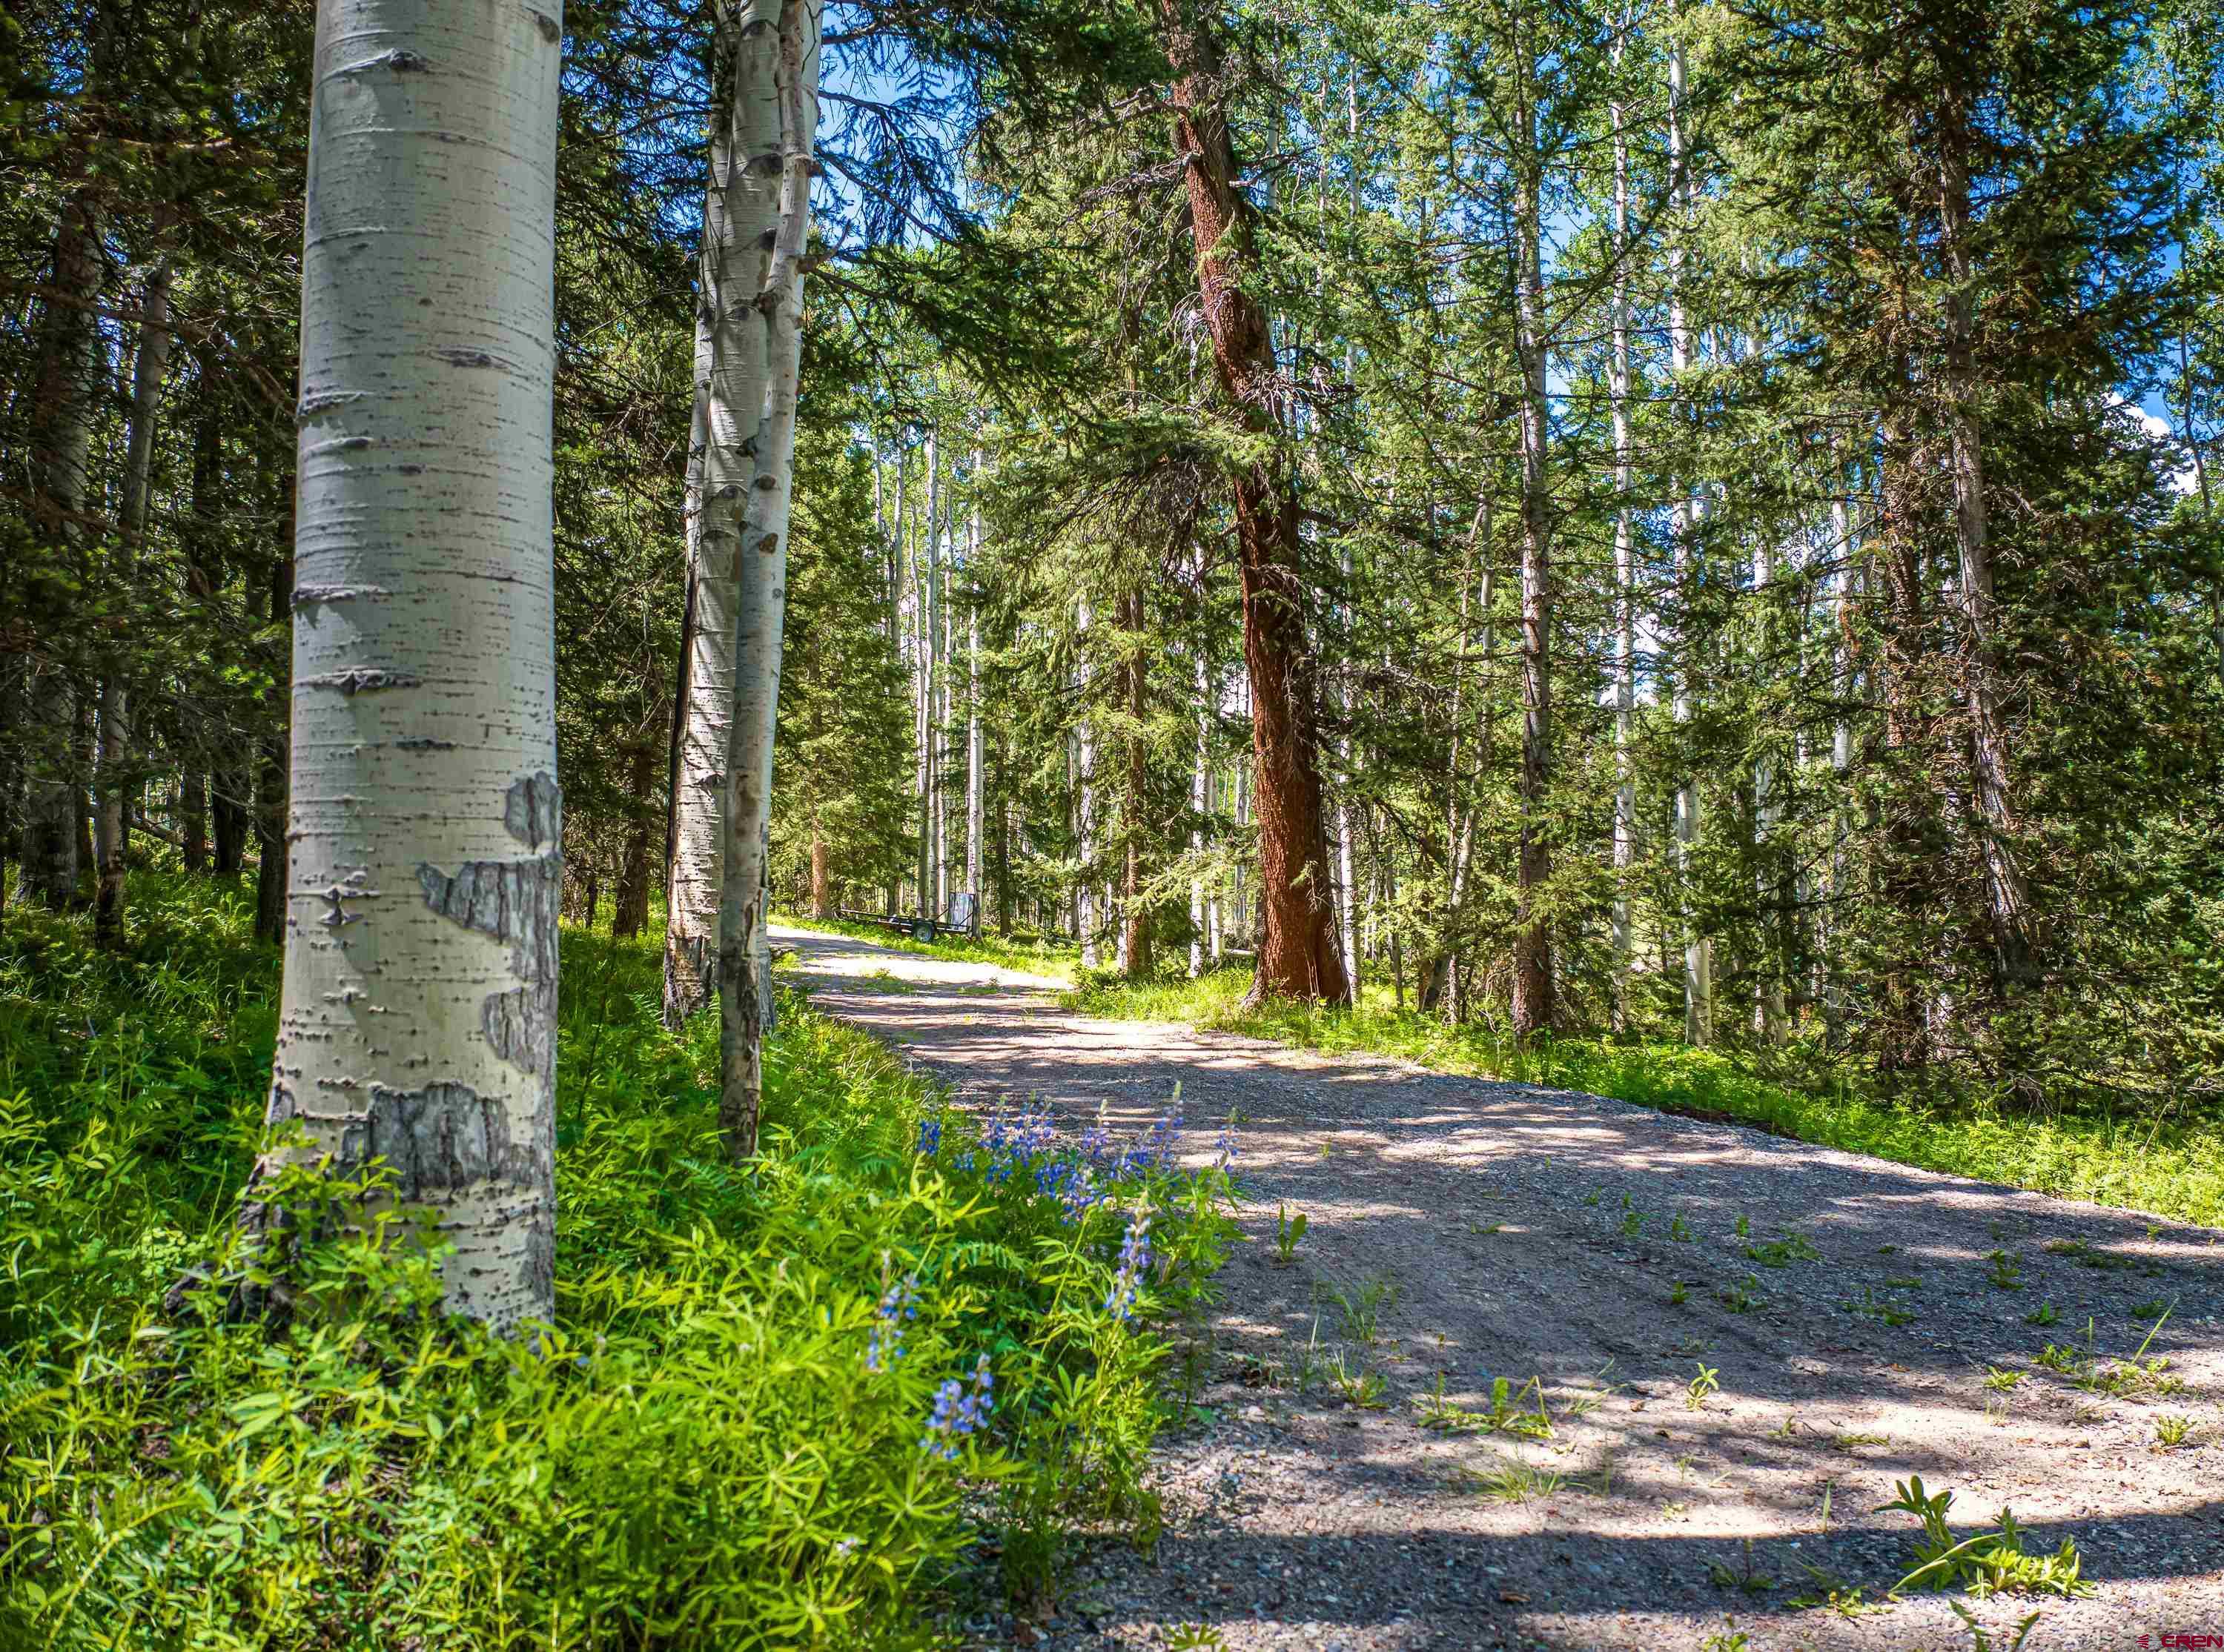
(740, 203)
(1085, 814)
(945, 666)
(976, 748)
(1685, 514)
(64, 397)
(1769, 998)
(744, 952)
(923, 596)
(1347, 936)
(1841, 755)
(419, 1023)
(147, 372)
(1199, 784)
(1624, 577)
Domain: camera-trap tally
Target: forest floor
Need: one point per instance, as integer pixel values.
(1723, 1350)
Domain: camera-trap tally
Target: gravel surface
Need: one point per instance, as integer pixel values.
(1848, 1310)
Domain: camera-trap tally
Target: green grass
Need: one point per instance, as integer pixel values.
(1036, 957)
(2174, 1169)
(704, 1451)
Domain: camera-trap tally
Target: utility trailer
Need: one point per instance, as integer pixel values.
(919, 927)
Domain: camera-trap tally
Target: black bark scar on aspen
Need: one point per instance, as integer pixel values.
(361, 679)
(307, 596)
(456, 357)
(324, 401)
(547, 25)
(516, 901)
(443, 1138)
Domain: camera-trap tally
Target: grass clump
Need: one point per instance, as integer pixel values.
(1033, 957)
(789, 1403)
(2174, 1167)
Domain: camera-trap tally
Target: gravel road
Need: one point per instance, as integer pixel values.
(1848, 1313)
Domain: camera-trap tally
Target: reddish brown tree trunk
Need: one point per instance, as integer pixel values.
(630, 916)
(822, 877)
(1298, 954)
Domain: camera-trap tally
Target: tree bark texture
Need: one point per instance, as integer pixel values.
(148, 368)
(1533, 940)
(418, 1025)
(65, 391)
(1298, 956)
(740, 203)
(744, 941)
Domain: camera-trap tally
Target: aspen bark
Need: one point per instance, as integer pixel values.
(1533, 943)
(1685, 515)
(1624, 577)
(1085, 817)
(925, 581)
(1134, 928)
(418, 1025)
(976, 751)
(740, 202)
(1199, 780)
(744, 952)
(63, 401)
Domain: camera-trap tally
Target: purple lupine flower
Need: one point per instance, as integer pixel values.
(930, 1137)
(1224, 1145)
(958, 1412)
(1165, 1129)
(899, 1303)
(1134, 1261)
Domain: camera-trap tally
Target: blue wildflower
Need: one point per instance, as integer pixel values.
(1134, 1261)
(899, 1303)
(958, 1412)
(930, 1137)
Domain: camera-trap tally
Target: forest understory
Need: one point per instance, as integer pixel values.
(1543, 1371)
(1567, 654)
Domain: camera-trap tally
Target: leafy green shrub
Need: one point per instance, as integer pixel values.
(779, 1403)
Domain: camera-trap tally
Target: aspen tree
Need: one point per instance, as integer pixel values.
(976, 751)
(1685, 514)
(1625, 564)
(741, 201)
(418, 1025)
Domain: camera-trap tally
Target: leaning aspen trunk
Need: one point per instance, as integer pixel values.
(744, 951)
(146, 371)
(740, 203)
(419, 1020)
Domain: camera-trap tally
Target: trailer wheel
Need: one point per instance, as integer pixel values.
(922, 929)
